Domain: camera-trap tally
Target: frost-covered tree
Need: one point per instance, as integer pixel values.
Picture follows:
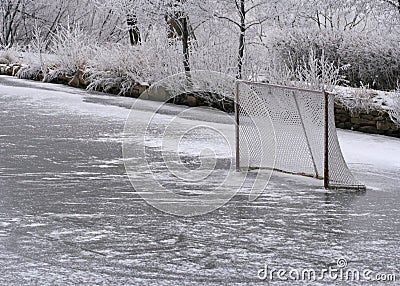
(178, 21)
(242, 16)
(331, 14)
(171, 16)
(9, 20)
(394, 3)
(127, 10)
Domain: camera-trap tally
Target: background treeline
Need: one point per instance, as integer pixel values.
(124, 42)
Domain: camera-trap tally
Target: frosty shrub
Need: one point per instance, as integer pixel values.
(277, 72)
(303, 59)
(216, 53)
(37, 47)
(119, 68)
(267, 66)
(394, 111)
(164, 56)
(31, 72)
(360, 99)
(70, 45)
(38, 62)
(293, 46)
(374, 59)
(318, 72)
(9, 55)
(371, 59)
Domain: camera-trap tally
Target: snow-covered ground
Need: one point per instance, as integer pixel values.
(92, 220)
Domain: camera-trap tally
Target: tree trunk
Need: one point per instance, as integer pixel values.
(242, 38)
(185, 45)
(9, 22)
(398, 6)
(178, 24)
(134, 33)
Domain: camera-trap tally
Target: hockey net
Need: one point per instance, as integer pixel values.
(290, 130)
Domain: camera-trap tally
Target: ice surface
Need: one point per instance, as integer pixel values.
(66, 219)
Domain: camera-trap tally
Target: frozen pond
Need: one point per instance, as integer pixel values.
(69, 214)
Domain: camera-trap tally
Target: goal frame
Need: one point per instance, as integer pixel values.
(327, 115)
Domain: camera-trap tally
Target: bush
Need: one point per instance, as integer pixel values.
(72, 48)
(358, 100)
(369, 59)
(31, 72)
(373, 60)
(117, 69)
(319, 73)
(394, 111)
(9, 56)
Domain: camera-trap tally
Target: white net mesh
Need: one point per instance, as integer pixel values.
(283, 128)
(338, 174)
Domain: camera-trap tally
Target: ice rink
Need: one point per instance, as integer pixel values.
(69, 214)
